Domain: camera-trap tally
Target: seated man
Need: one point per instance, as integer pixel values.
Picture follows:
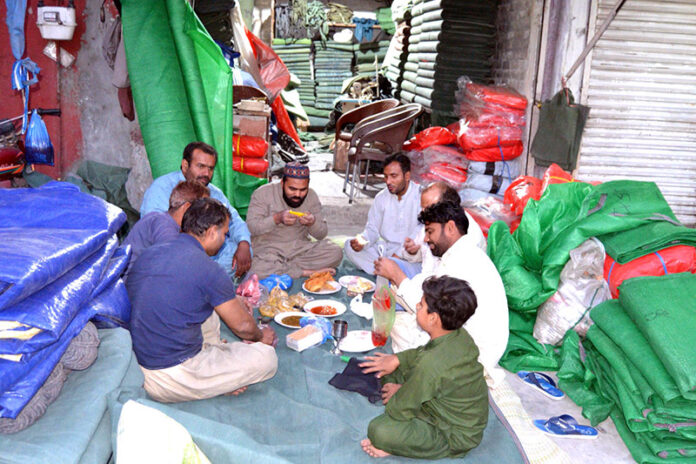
(415, 250)
(281, 218)
(175, 289)
(392, 216)
(446, 228)
(157, 227)
(435, 396)
(198, 164)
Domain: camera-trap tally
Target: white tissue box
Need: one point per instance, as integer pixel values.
(305, 337)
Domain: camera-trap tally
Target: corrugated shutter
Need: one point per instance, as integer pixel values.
(642, 94)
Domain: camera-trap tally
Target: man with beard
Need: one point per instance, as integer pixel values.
(198, 164)
(392, 217)
(281, 217)
(446, 227)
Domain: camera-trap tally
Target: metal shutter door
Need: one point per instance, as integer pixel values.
(641, 88)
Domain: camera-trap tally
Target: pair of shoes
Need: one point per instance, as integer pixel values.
(542, 383)
(565, 426)
(289, 150)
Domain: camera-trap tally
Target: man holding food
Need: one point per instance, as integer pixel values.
(392, 218)
(174, 288)
(281, 218)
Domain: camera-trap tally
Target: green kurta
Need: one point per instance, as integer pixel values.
(441, 408)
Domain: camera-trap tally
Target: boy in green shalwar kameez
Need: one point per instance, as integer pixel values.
(435, 395)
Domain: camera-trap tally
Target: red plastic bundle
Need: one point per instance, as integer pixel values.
(503, 153)
(252, 166)
(504, 96)
(471, 138)
(555, 175)
(447, 172)
(439, 163)
(488, 210)
(248, 146)
(672, 260)
(429, 137)
(521, 191)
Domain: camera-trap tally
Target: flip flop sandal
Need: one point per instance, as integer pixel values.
(542, 383)
(565, 426)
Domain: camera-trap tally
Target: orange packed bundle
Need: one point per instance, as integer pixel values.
(672, 260)
(248, 146)
(471, 137)
(429, 137)
(520, 191)
(502, 153)
(252, 166)
(497, 95)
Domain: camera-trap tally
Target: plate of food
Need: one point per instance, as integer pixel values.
(357, 341)
(321, 283)
(356, 284)
(290, 319)
(325, 308)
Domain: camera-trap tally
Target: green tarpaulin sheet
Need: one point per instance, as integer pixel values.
(182, 88)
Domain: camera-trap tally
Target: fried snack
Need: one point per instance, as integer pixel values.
(317, 281)
(280, 302)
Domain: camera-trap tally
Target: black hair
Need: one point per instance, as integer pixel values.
(400, 158)
(442, 213)
(203, 214)
(447, 192)
(452, 299)
(202, 146)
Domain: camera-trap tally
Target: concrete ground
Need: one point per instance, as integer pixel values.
(346, 220)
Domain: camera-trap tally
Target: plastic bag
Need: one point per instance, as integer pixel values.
(499, 95)
(438, 163)
(490, 209)
(250, 289)
(37, 145)
(491, 184)
(322, 323)
(489, 106)
(284, 281)
(555, 175)
(672, 260)
(581, 288)
(471, 138)
(503, 153)
(249, 147)
(509, 169)
(252, 166)
(520, 191)
(384, 314)
(430, 136)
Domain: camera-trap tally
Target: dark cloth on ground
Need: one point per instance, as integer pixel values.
(353, 379)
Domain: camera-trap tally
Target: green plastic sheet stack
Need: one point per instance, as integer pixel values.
(182, 89)
(333, 63)
(366, 53)
(637, 365)
(530, 260)
(296, 56)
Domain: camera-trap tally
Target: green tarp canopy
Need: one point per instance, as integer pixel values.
(182, 88)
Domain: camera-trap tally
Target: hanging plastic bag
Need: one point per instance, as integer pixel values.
(521, 191)
(581, 288)
(248, 146)
(37, 144)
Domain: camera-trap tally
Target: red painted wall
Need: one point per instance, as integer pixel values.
(57, 87)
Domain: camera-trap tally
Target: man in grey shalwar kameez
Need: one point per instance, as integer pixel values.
(281, 218)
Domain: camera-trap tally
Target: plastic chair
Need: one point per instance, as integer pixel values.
(356, 115)
(375, 138)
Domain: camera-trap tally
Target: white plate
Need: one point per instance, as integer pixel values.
(280, 316)
(348, 280)
(340, 307)
(335, 287)
(357, 341)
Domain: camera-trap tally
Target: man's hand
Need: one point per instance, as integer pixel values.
(381, 364)
(388, 391)
(388, 269)
(410, 246)
(356, 245)
(307, 220)
(285, 217)
(268, 336)
(242, 258)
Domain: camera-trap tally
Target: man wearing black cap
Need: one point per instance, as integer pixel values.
(281, 218)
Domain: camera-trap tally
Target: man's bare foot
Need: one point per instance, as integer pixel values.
(369, 448)
(238, 391)
(309, 272)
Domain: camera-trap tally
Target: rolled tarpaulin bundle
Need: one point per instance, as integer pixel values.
(500, 153)
(251, 166)
(249, 147)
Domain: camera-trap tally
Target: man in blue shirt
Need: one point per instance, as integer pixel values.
(157, 227)
(198, 164)
(175, 289)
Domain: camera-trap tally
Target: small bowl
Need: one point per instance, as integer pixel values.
(340, 307)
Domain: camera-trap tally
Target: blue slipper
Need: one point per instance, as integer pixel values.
(565, 426)
(542, 383)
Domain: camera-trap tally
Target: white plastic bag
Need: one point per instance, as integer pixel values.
(581, 288)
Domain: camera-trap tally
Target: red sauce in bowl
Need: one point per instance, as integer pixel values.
(324, 310)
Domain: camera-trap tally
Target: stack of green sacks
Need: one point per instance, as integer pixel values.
(332, 64)
(365, 54)
(637, 365)
(295, 53)
(630, 218)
